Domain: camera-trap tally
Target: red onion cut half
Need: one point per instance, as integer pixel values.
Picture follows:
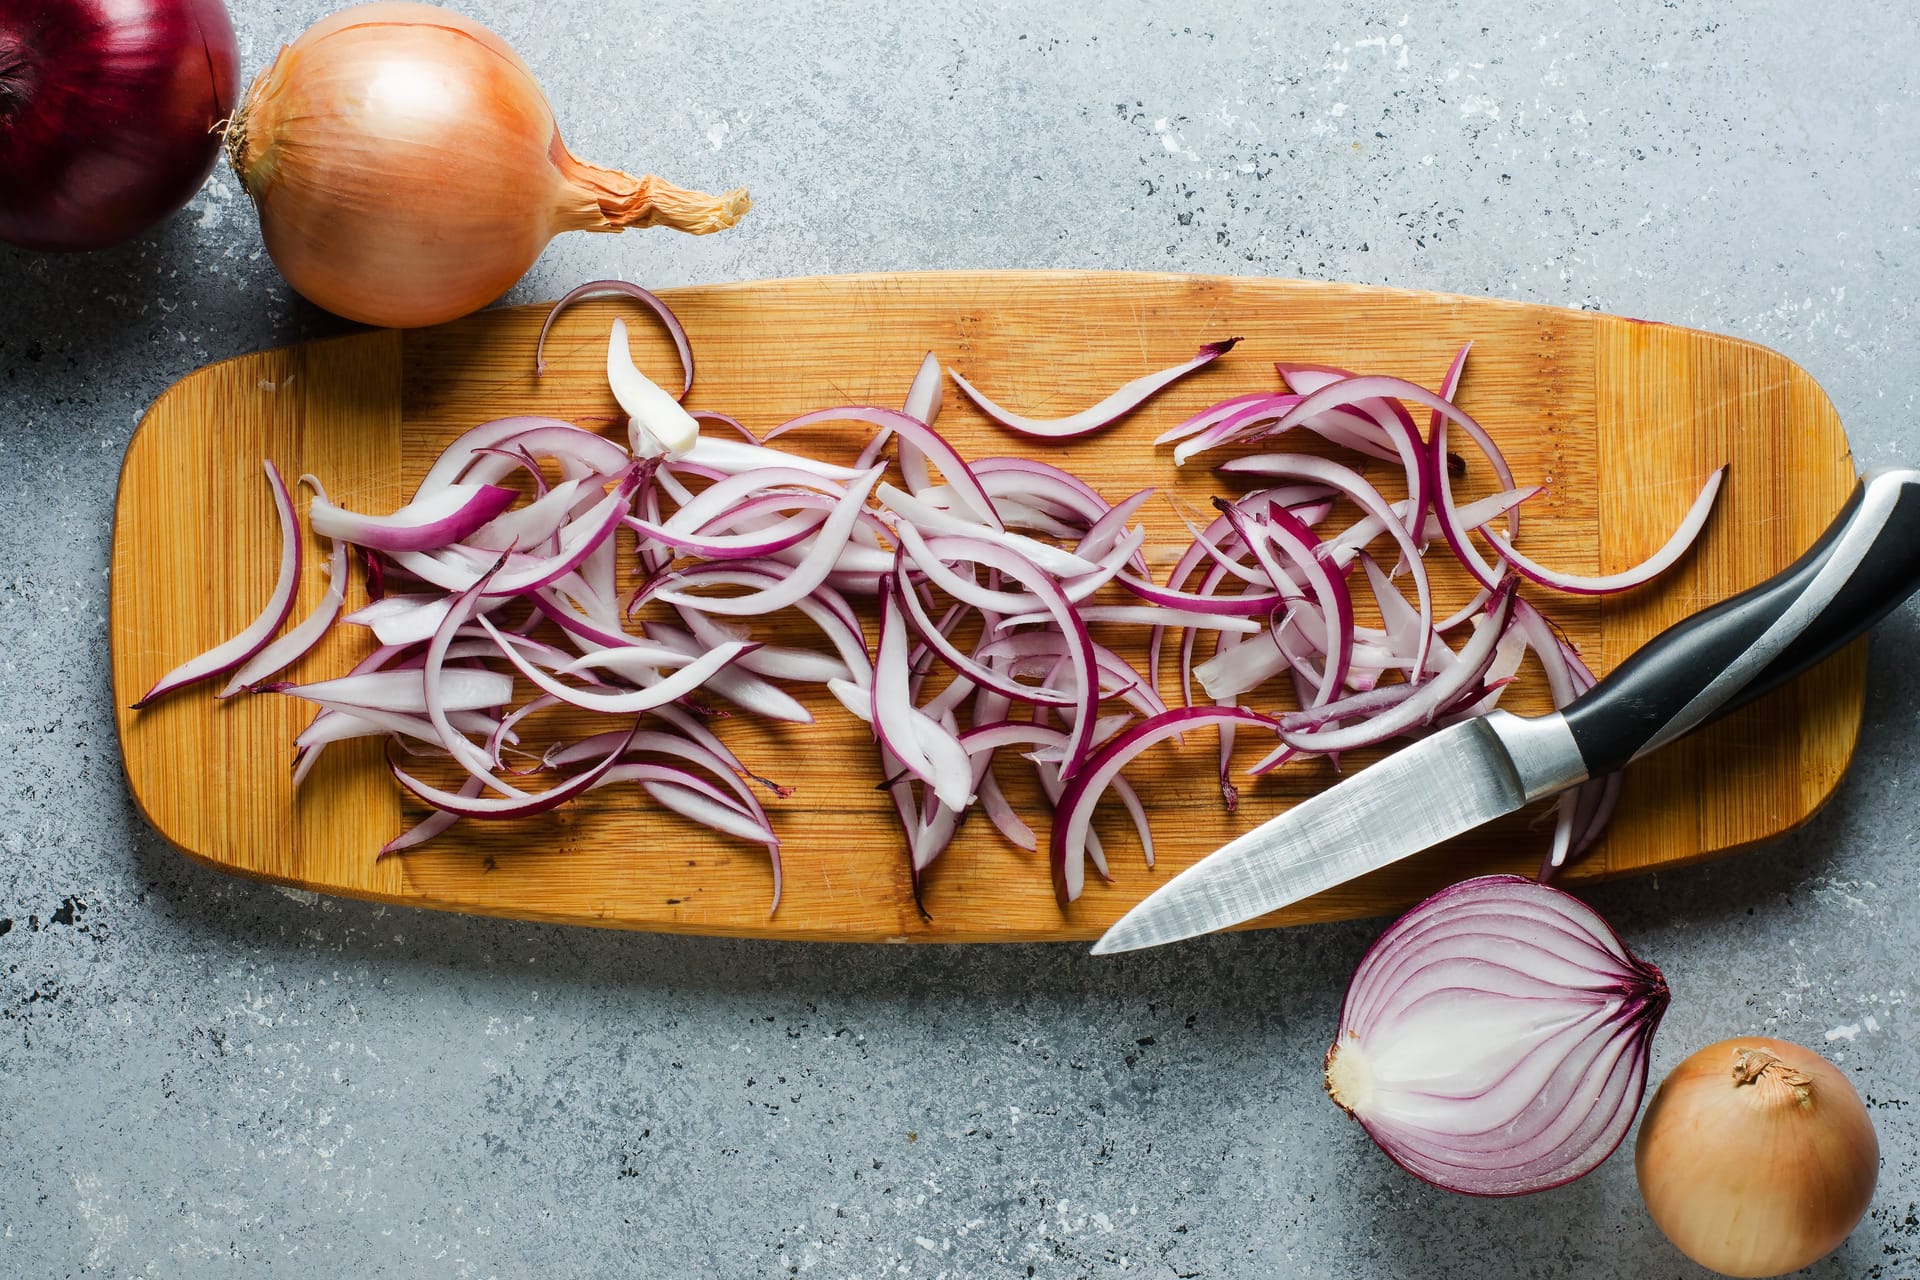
(1108, 411)
(1494, 1041)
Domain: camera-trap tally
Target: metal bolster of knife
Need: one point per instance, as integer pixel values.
(1542, 751)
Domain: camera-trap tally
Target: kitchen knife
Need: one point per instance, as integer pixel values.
(1866, 562)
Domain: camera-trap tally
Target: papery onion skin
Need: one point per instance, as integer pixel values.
(109, 115)
(408, 169)
(1756, 1157)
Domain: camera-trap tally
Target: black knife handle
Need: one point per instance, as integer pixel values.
(1866, 562)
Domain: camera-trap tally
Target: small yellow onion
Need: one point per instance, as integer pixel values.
(1756, 1157)
(408, 170)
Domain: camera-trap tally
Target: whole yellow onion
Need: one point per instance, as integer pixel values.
(1756, 1157)
(408, 170)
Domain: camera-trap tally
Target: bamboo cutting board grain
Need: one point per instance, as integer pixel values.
(1623, 419)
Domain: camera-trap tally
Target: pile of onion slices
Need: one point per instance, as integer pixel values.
(965, 607)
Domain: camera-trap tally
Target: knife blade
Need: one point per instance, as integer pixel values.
(1866, 563)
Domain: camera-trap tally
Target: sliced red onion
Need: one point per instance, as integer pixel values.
(1306, 379)
(296, 643)
(960, 477)
(1210, 416)
(1108, 411)
(434, 520)
(1422, 703)
(961, 661)
(601, 288)
(931, 520)
(1043, 484)
(719, 763)
(231, 653)
(1659, 562)
(922, 746)
(678, 685)
(1369, 499)
(809, 574)
(1495, 1040)
(1282, 529)
(1151, 616)
(734, 546)
(405, 691)
(530, 526)
(457, 570)
(430, 826)
(737, 683)
(922, 402)
(778, 662)
(519, 805)
(1005, 819)
(657, 422)
(469, 449)
(580, 453)
(736, 457)
(1073, 817)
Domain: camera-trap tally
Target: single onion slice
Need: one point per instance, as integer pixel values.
(1659, 562)
(652, 414)
(404, 690)
(1073, 815)
(430, 521)
(231, 653)
(1494, 1041)
(597, 288)
(1109, 410)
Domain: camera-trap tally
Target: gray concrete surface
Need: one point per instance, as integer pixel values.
(201, 1077)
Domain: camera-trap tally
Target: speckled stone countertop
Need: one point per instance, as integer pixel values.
(201, 1077)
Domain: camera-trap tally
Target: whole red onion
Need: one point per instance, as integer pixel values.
(110, 114)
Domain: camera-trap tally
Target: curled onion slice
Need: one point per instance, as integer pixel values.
(1108, 411)
(651, 301)
(1659, 562)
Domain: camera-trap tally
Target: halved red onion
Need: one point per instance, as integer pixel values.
(1494, 1041)
(231, 653)
(1108, 411)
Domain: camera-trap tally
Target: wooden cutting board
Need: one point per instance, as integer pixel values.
(1623, 420)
